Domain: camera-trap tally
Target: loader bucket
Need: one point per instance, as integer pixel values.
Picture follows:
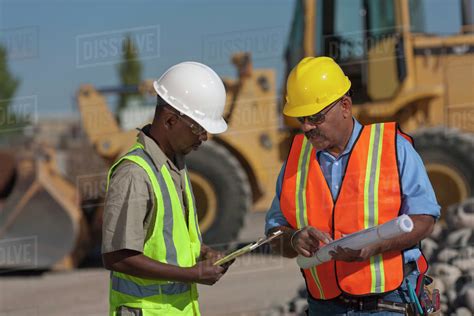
(41, 224)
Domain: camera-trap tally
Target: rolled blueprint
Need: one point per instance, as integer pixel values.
(361, 239)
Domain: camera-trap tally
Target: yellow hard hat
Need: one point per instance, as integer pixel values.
(312, 85)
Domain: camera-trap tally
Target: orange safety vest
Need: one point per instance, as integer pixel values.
(370, 195)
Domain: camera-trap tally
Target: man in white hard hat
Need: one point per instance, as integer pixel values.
(151, 238)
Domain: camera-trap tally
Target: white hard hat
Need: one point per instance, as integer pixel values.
(196, 91)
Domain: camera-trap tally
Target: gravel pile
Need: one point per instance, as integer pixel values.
(450, 251)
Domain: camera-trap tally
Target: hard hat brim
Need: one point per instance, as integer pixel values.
(213, 126)
(305, 109)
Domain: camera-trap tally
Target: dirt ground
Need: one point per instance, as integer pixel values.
(254, 285)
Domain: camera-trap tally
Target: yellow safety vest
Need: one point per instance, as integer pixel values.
(170, 241)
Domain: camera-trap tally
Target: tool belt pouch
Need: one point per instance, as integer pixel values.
(430, 297)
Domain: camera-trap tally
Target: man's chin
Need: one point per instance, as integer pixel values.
(318, 143)
(190, 149)
(186, 151)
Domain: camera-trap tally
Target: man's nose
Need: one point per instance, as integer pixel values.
(306, 126)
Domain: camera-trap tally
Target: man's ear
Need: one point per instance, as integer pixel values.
(170, 120)
(347, 106)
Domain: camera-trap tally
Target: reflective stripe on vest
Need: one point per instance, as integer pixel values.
(171, 257)
(371, 198)
(370, 189)
(192, 206)
(301, 211)
(131, 288)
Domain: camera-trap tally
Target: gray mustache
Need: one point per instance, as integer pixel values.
(312, 133)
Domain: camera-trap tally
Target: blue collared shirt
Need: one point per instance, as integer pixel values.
(418, 195)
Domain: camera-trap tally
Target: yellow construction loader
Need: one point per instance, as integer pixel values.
(398, 72)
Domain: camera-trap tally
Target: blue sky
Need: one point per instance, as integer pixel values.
(52, 40)
(57, 44)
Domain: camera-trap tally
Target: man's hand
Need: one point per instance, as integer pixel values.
(208, 253)
(350, 255)
(423, 226)
(205, 272)
(308, 240)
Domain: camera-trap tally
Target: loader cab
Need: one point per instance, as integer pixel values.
(381, 46)
(364, 37)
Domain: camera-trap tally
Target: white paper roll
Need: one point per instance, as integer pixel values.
(359, 240)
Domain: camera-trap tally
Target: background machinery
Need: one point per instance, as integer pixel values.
(398, 73)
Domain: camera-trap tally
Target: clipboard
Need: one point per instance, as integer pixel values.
(246, 249)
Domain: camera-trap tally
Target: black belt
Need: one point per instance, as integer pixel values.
(372, 303)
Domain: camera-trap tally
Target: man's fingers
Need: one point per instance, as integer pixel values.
(311, 248)
(346, 254)
(308, 244)
(319, 236)
(227, 265)
(306, 238)
(308, 241)
(340, 255)
(304, 252)
(328, 237)
(351, 252)
(218, 256)
(306, 248)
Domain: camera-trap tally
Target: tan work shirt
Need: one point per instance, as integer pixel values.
(130, 201)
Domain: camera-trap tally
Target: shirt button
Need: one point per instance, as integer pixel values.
(336, 163)
(336, 186)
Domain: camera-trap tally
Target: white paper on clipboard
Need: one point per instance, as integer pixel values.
(246, 249)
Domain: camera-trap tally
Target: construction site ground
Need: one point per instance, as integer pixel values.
(254, 285)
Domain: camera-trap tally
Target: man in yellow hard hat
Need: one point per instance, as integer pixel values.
(342, 177)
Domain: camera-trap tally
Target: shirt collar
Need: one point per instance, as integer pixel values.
(155, 152)
(350, 144)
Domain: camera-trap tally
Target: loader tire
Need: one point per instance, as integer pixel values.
(222, 193)
(448, 156)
